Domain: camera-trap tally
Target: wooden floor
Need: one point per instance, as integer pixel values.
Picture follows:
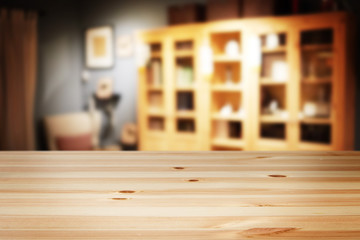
(220, 195)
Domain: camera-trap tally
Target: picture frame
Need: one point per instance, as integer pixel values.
(124, 46)
(99, 42)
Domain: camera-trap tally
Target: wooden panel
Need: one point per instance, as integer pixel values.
(189, 13)
(155, 142)
(258, 8)
(218, 195)
(225, 9)
(350, 100)
(185, 142)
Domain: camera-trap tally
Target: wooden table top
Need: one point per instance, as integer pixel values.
(218, 195)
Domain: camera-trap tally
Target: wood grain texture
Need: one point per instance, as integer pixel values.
(143, 195)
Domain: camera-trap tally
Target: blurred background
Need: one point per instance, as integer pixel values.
(167, 75)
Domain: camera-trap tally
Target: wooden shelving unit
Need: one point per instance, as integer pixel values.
(300, 96)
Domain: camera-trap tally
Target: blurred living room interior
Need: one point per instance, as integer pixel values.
(179, 75)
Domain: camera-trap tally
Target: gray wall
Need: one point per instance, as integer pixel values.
(59, 83)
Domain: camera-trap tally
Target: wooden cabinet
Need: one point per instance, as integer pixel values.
(278, 83)
(313, 111)
(171, 108)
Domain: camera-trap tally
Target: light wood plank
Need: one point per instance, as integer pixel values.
(218, 195)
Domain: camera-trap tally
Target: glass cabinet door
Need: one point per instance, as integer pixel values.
(155, 89)
(316, 91)
(185, 93)
(227, 106)
(273, 88)
(184, 86)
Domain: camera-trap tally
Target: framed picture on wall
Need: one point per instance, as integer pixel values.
(99, 47)
(124, 46)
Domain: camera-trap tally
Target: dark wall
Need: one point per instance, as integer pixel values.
(354, 7)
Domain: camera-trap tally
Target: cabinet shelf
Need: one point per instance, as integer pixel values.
(316, 80)
(312, 47)
(156, 113)
(184, 53)
(155, 88)
(226, 88)
(272, 143)
(232, 117)
(307, 146)
(316, 120)
(273, 119)
(156, 55)
(274, 50)
(185, 114)
(225, 58)
(269, 81)
(185, 88)
(227, 142)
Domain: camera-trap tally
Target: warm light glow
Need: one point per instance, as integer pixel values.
(255, 49)
(142, 54)
(206, 60)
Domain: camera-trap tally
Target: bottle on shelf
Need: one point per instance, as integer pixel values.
(154, 73)
(184, 76)
(229, 76)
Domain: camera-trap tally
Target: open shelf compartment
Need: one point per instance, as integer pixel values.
(227, 104)
(184, 46)
(185, 101)
(227, 75)
(154, 73)
(275, 131)
(317, 73)
(156, 124)
(316, 133)
(185, 76)
(227, 134)
(226, 43)
(156, 102)
(273, 102)
(186, 125)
